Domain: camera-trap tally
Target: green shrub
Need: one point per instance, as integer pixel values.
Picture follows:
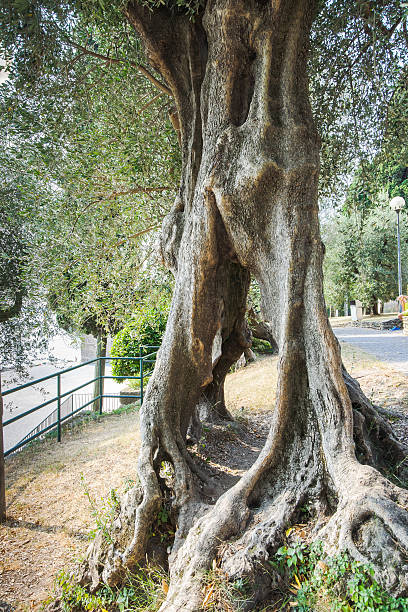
(261, 346)
(144, 591)
(145, 329)
(318, 582)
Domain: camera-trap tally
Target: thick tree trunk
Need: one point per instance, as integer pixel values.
(248, 205)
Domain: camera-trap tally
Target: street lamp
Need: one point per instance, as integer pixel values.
(398, 204)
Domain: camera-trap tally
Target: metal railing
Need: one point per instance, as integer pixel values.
(67, 409)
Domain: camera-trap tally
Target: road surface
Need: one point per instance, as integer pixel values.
(390, 347)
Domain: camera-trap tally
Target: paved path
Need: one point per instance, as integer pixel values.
(391, 347)
(23, 400)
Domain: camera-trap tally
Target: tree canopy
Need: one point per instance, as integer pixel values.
(95, 137)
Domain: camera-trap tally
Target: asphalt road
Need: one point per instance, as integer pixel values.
(390, 347)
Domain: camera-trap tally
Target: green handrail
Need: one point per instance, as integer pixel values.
(59, 396)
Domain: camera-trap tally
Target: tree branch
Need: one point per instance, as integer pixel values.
(133, 236)
(146, 190)
(369, 43)
(112, 60)
(148, 104)
(115, 194)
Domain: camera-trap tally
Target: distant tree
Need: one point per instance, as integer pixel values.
(361, 248)
(361, 258)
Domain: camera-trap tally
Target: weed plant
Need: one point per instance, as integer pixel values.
(338, 584)
(144, 589)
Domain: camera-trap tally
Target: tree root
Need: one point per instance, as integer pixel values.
(111, 554)
(371, 523)
(375, 441)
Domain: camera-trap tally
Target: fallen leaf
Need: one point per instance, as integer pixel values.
(322, 565)
(298, 581)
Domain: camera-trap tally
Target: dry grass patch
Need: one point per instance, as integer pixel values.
(347, 321)
(253, 387)
(48, 513)
(383, 385)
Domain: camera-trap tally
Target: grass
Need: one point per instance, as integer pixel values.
(253, 387)
(145, 590)
(49, 516)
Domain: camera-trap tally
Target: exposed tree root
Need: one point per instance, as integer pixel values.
(375, 441)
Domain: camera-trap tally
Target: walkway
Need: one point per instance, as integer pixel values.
(391, 347)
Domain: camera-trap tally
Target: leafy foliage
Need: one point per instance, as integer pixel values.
(144, 330)
(104, 515)
(339, 583)
(97, 161)
(361, 244)
(361, 261)
(358, 82)
(190, 7)
(25, 321)
(144, 591)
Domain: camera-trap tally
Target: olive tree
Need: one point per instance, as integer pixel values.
(247, 206)
(236, 72)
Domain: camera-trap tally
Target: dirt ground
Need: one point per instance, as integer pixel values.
(49, 514)
(346, 321)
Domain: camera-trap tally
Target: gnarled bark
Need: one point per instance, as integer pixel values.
(248, 205)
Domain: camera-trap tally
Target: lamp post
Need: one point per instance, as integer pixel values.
(398, 204)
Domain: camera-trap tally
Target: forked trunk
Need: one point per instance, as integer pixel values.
(248, 206)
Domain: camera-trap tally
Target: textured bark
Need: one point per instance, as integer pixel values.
(259, 328)
(248, 205)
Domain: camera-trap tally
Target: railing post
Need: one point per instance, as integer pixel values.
(59, 407)
(2, 470)
(100, 386)
(141, 373)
